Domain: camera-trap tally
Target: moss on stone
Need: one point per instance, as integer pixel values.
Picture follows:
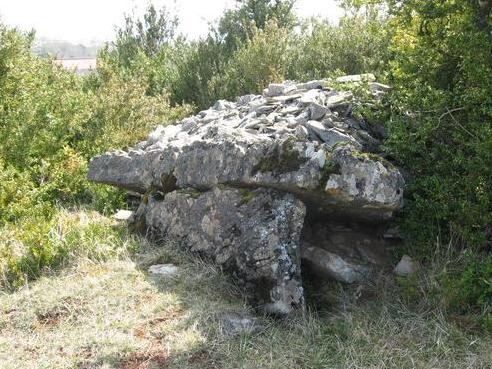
(328, 169)
(168, 182)
(374, 157)
(151, 191)
(340, 144)
(283, 158)
(192, 192)
(246, 195)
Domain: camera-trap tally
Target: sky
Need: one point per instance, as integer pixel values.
(82, 21)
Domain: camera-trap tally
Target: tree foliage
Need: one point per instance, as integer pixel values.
(156, 29)
(359, 43)
(440, 122)
(239, 24)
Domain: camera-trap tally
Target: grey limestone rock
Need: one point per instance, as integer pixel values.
(252, 234)
(334, 266)
(235, 181)
(405, 267)
(164, 270)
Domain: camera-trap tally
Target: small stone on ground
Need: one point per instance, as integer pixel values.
(233, 323)
(406, 267)
(164, 270)
(123, 214)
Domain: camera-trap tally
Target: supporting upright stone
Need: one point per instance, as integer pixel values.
(253, 234)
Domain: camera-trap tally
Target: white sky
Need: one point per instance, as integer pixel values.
(86, 20)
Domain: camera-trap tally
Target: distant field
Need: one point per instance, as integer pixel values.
(80, 65)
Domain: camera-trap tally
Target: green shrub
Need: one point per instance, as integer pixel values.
(441, 121)
(36, 245)
(51, 123)
(440, 125)
(359, 44)
(240, 23)
(260, 60)
(474, 290)
(197, 63)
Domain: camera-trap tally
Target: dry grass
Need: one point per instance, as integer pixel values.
(112, 314)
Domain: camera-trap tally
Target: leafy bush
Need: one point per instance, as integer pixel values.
(359, 44)
(260, 60)
(196, 64)
(37, 245)
(440, 125)
(441, 122)
(144, 49)
(51, 123)
(475, 288)
(239, 24)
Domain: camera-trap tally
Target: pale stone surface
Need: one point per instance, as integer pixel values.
(164, 270)
(405, 267)
(368, 77)
(334, 266)
(234, 323)
(123, 214)
(264, 143)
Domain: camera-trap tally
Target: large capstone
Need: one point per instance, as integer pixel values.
(235, 181)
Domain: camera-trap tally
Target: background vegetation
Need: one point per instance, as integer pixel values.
(65, 50)
(437, 56)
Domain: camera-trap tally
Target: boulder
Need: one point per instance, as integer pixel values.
(405, 267)
(363, 185)
(235, 182)
(253, 234)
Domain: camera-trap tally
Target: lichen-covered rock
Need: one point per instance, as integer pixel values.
(344, 251)
(366, 181)
(279, 140)
(234, 183)
(252, 234)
